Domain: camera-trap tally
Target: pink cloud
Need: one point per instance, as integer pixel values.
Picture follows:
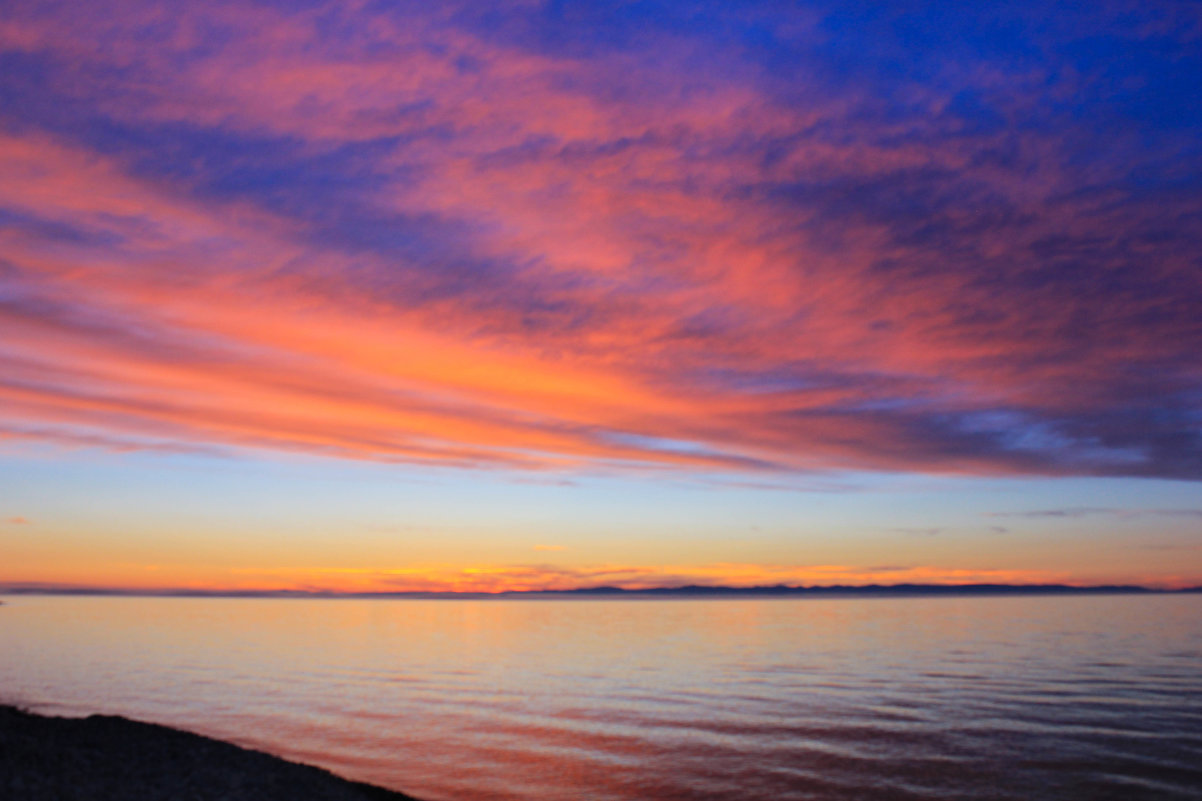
(549, 261)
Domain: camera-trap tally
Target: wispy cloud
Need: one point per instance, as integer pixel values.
(544, 576)
(508, 240)
(1085, 511)
(918, 532)
(18, 521)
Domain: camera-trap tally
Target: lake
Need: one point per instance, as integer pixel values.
(1095, 697)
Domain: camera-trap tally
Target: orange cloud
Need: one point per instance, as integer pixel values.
(524, 578)
(412, 241)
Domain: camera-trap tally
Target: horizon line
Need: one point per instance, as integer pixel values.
(686, 590)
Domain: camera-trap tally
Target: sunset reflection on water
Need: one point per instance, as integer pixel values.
(651, 699)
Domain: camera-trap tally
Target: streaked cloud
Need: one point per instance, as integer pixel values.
(918, 532)
(1085, 511)
(697, 239)
(491, 578)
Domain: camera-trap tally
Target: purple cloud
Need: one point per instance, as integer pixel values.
(665, 237)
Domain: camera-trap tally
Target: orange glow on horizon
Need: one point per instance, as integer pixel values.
(494, 579)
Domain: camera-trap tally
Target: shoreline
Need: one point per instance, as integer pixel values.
(112, 758)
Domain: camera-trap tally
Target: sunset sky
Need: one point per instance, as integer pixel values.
(521, 295)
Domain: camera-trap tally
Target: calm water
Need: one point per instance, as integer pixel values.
(956, 698)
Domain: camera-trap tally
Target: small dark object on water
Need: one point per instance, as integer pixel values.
(104, 758)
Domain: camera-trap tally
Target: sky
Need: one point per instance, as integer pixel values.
(527, 295)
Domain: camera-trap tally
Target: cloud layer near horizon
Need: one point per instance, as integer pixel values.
(561, 237)
(539, 577)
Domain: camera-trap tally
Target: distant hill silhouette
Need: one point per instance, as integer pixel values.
(684, 591)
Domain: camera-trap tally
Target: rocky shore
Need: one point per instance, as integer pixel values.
(105, 758)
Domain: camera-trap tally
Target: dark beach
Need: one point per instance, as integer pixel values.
(106, 758)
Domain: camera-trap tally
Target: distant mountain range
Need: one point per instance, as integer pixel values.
(687, 591)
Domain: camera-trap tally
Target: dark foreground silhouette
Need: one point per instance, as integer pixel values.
(103, 758)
